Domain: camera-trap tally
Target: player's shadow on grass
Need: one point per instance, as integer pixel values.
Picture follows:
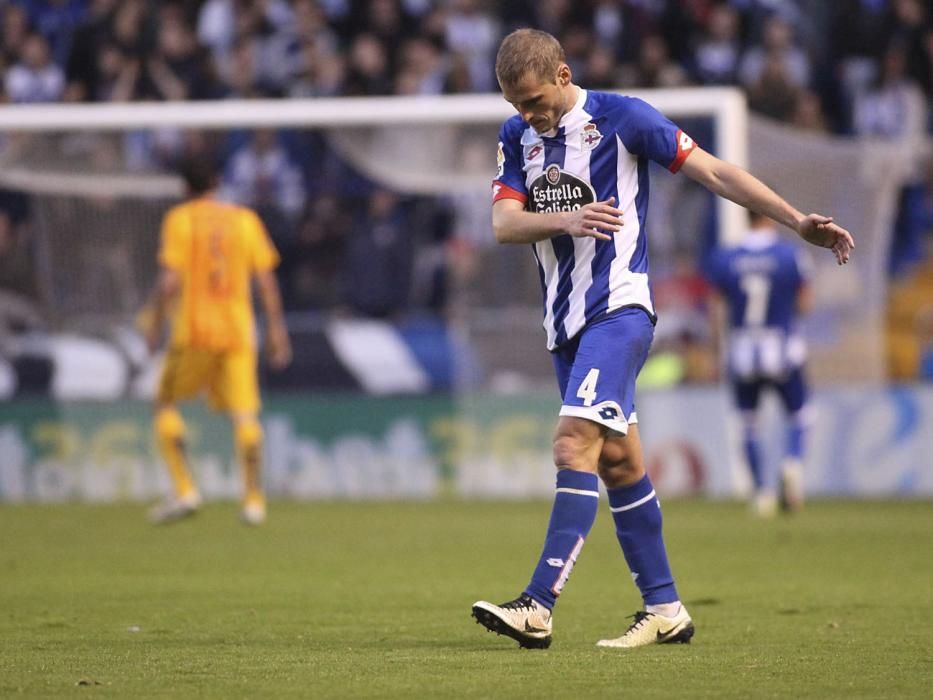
(702, 602)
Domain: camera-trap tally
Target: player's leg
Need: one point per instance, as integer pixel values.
(618, 347)
(235, 389)
(794, 392)
(527, 619)
(248, 436)
(179, 380)
(170, 434)
(576, 446)
(577, 443)
(747, 394)
(636, 512)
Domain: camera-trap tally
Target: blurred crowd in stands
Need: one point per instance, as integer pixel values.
(855, 67)
(850, 66)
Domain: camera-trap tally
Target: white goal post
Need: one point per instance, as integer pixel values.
(725, 106)
(443, 147)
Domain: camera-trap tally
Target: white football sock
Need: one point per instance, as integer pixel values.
(665, 609)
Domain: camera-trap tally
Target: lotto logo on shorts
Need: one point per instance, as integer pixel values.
(608, 413)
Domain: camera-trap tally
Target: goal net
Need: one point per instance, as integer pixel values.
(92, 182)
(381, 210)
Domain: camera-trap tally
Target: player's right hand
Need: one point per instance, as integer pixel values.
(824, 232)
(595, 220)
(278, 346)
(149, 328)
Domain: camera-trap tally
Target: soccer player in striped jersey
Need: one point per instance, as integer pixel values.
(573, 184)
(210, 253)
(763, 285)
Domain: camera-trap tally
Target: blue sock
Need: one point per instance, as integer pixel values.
(637, 513)
(795, 434)
(753, 457)
(572, 516)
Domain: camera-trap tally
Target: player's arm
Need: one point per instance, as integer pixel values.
(166, 289)
(805, 299)
(743, 188)
(719, 326)
(173, 261)
(278, 345)
(717, 319)
(513, 224)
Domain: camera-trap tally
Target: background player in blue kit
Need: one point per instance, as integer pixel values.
(764, 285)
(573, 183)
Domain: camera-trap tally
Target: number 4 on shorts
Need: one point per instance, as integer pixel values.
(587, 390)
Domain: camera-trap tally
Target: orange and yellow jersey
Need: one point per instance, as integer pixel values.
(216, 248)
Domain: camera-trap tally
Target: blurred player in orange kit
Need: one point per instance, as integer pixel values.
(210, 252)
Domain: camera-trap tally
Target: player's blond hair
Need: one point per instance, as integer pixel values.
(528, 51)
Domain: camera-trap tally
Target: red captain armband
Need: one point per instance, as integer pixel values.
(502, 191)
(685, 146)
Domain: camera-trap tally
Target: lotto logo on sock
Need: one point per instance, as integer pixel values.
(553, 561)
(567, 568)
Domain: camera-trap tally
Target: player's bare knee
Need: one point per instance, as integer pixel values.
(573, 451)
(619, 466)
(577, 443)
(624, 472)
(568, 451)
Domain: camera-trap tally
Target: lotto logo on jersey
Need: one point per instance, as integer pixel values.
(684, 142)
(685, 146)
(557, 190)
(500, 160)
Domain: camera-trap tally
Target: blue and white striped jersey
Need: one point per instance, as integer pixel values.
(599, 150)
(760, 280)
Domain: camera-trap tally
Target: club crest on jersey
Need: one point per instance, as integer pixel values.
(591, 137)
(557, 190)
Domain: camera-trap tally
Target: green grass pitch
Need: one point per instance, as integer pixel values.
(340, 600)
